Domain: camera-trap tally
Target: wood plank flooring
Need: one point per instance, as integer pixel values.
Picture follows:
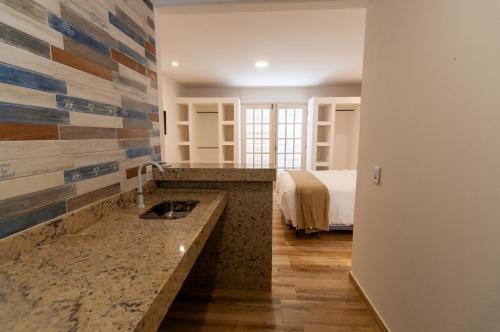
(311, 292)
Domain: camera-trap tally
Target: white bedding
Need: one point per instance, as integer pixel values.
(341, 186)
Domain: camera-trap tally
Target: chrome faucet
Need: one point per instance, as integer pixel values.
(140, 194)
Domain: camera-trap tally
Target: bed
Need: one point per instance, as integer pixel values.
(341, 187)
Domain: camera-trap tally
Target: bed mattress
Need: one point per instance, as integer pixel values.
(341, 187)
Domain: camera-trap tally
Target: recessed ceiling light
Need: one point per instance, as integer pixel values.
(175, 64)
(261, 64)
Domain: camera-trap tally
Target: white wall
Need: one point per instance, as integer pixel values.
(427, 240)
(274, 94)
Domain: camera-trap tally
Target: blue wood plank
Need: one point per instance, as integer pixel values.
(75, 104)
(30, 79)
(32, 114)
(137, 105)
(76, 34)
(151, 40)
(15, 224)
(131, 53)
(138, 152)
(150, 56)
(89, 172)
(123, 27)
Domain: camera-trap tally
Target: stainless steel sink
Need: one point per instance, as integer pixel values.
(170, 210)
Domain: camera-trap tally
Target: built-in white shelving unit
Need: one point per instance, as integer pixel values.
(207, 130)
(321, 130)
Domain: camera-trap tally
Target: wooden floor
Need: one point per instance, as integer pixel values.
(311, 291)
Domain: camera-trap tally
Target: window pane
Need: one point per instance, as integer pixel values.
(289, 146)
(281, 146)
(249, 115)
(258, 131)
(258, 146)
(297, 146)
(249, 131)
(281, 161)
(266, 131)
(298, 131)
(266, 115)
(281, 131)
(298, 115)
(265, 160)
(289, 131)
(249, 146)
(289, 115)
(258, 116)
(282, 115)
(257, 159)
(289, 161)
(265, 146)
(297, 161)
(249, 158)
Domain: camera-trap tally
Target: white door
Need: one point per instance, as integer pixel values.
(274, 134)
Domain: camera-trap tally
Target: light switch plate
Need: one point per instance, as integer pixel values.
(377, 171)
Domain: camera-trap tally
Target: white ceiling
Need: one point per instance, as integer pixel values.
(303, 47)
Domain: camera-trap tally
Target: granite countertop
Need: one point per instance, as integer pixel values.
(121, 273)
(215, 172)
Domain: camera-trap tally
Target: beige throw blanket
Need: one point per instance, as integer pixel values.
(312, 200)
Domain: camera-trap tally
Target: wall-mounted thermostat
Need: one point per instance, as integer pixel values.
(377, 171)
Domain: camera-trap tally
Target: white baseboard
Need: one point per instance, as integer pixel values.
(366, 299)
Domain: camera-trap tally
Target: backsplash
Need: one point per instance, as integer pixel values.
(78, 104)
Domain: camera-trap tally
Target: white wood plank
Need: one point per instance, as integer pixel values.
(11, 150)
(29, 184)
(89, 185)
(67, 73)
(86, 92)
(89, 145)
(24, 59)
(52, 5)
(98, 157)
(130, 163)
(33, 166)
(133, 75)
(22, 22)
(19, 95)
(94, 120)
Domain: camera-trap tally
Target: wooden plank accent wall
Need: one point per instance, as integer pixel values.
(78, 104)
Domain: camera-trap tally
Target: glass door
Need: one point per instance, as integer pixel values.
(291, 137)
(259, 135)
(274, 134)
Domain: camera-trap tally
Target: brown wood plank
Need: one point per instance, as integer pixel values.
(89, 54)
(132, 172)
(93, 196)
(77, 132)
(79, 63)
(154, 117)
(151, 74)
(150, 47)
(132, 133)
(126, 61)
(27, 132)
